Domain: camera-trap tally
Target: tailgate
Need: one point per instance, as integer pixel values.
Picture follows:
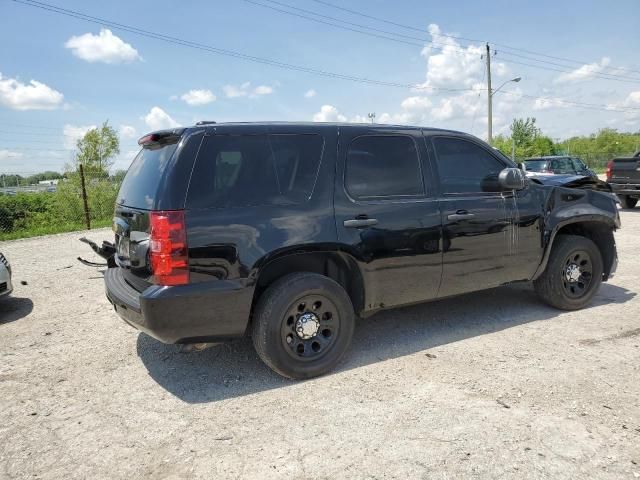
(131, 227)
(144, 188)
(625, 170)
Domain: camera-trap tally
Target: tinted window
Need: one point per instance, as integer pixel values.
(579, 165)
(141, 182)
(464, 167)
(241, 170)
(562, 165)
(383, 166)
(535, 165)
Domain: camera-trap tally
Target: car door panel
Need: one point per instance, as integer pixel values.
(477, 227)
(395, 238)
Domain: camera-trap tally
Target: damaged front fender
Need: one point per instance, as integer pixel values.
(583, 210)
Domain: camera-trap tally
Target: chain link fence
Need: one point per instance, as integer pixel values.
(58, 205)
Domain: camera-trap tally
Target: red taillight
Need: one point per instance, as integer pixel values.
(608, 170)
(168, 248)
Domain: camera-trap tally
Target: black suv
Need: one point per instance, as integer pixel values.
(287, 232)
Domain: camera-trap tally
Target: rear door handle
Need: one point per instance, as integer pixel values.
(360, 222)
(460, 215)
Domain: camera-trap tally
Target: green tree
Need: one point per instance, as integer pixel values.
(97, 149)
(529, 140)
(524, 131)
(38, 177)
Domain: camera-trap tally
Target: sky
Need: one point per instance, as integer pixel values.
(60, 76)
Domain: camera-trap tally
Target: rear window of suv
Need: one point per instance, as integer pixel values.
(141, 182)
(243, 170)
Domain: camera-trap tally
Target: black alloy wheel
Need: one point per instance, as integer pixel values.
(577, 274)
(573, 273)
(310, 327)
(302, 325)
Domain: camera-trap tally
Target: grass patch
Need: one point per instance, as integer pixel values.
(36, 231)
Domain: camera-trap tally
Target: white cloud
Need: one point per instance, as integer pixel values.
(546, 103)
(104, 47)
(6, 154)
(631, 102)
(451, 65)
(33, 96)
(263, 90)
(586, 71)
(198, 97)
(310, 93)
(73, 133)
(245, 90)
(158, 119)
(127, 131)
(329, 113)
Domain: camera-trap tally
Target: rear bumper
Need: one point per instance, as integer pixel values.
(200, 312)
(626, 189)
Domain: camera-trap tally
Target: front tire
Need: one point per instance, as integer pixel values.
(573, 274)
(303, 325)
(627, 201)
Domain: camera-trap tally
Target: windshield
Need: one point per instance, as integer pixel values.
(141, 183)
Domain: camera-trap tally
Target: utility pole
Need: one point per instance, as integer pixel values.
(489, 98)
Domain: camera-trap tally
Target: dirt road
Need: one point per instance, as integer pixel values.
(489, 385)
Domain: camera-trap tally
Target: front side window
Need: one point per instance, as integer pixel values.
(242, 170)
(464, 167)
(383, 166)
(579, 165)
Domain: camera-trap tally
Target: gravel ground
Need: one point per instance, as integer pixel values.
(488, 385)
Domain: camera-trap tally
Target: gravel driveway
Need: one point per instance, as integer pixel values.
(488, 385)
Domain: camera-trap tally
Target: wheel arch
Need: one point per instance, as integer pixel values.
(334, 263)
(597, 228)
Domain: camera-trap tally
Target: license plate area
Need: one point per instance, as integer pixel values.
(123, 251)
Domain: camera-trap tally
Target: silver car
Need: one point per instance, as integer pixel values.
(5, 276)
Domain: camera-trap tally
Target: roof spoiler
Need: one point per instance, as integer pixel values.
(161, 137)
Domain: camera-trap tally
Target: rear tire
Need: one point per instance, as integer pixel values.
(573, 274)
(627, 201)
(303, 325)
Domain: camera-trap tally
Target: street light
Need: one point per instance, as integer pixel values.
(491, 94)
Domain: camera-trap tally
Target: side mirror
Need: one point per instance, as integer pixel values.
(512, 179)
(522, 167)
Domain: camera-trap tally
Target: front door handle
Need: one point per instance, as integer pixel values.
(360, 222)
(460, 215)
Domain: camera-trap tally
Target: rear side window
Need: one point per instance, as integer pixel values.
(242, 170)
(144, 176)
(464, 167)
(383, 166)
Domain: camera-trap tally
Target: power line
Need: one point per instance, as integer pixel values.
(251, 58)
(609, 76)
(39, 134)
(592, 106)
(605, 76)
(29, 126)
(416, 29)
(226, 52)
